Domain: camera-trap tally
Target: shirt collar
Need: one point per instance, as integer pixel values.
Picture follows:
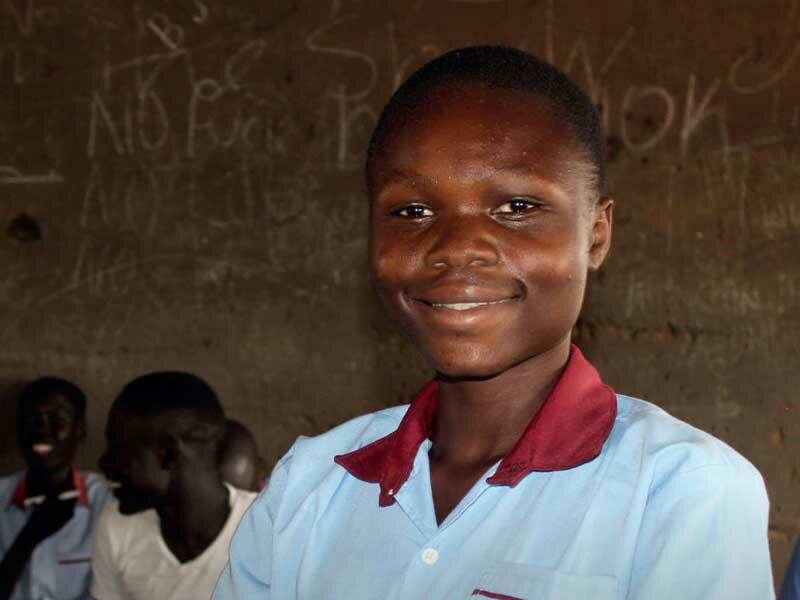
(568, 430)
(78, 484)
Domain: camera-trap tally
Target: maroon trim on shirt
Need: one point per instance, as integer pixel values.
(78, 483)
(18, 498)
(75, 561)
(496, 596)
(568, 430)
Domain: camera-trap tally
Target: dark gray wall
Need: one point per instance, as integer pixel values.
(180, 187)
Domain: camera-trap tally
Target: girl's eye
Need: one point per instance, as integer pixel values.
(516, 206)
(412, 211)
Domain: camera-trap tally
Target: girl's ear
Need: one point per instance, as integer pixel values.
(601, 232)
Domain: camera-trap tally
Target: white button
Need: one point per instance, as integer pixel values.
(430, 556)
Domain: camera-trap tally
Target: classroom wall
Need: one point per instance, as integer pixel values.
(181, 187)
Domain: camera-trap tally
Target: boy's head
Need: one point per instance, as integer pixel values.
(159, 425)
(50, 423)
(240, 463)
(486, 176)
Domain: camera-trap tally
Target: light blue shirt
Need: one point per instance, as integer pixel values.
(665, 512)
(60, 566)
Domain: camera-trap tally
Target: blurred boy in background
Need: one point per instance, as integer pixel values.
(48, 512)
(167, 537)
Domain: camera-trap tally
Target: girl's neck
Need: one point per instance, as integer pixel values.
(480, 420)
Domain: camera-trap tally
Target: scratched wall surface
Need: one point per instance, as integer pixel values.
(180, 187)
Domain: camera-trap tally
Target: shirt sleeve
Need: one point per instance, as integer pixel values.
(248, 573)
(704, 535)
(105, 582)
(790, 590)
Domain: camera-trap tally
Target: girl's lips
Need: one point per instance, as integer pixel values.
(462, 315)
(468, 305)
(41, 449)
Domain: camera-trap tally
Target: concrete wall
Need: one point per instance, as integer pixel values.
(180, 187)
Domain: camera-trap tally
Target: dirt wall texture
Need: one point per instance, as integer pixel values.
(181, 187)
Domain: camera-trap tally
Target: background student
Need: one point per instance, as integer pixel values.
(49, 511)
(240, 462)
(167, 537)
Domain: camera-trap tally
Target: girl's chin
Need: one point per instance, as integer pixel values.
(469, 368)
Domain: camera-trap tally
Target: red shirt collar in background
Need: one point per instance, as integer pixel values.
(78, 484)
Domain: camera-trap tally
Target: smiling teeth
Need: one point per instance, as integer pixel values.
(42, 448)
(466, 305)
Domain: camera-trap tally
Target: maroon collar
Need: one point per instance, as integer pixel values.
(568, 430)
(78, 484)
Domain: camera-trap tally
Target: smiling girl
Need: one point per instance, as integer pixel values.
(515, 473)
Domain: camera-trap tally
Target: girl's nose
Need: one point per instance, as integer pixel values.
(462, 241)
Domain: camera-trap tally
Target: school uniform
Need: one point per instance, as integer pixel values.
(131, 561)
(59, 568)
(603, 497)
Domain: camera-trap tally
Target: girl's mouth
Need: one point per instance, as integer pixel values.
(467, 305)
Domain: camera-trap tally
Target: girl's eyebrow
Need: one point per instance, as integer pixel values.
(398, 175)
(523, 170)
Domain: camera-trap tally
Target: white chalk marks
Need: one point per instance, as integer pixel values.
(352, 108)
(696, 113)
(740, 83)
(629, 101)
(199, 128)
(357, 94)
(355, 111)
(202, 12)
(12, 176)
(27, 15)
(170, 34)
(208, 91)
(752, 73)
(140, 121)
(190, 133)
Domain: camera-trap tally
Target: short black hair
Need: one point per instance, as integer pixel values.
(193, 402)
(45, 387)
(500, 67)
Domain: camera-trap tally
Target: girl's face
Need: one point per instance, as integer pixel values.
(484, 221)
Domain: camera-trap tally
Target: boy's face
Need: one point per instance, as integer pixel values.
(50, 432)
(131, 459)
(483, 225)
